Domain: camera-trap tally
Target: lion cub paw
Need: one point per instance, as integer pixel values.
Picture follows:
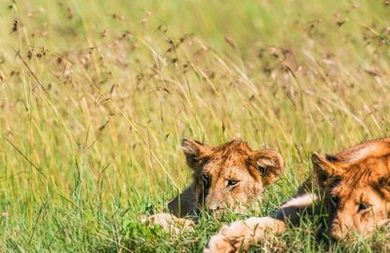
(229, 239)
(240, 235)
(169, 222)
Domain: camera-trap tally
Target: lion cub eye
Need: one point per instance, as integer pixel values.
(232, 182)
(363, 207)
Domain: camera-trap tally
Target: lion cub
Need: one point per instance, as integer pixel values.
(354, 192)
(231, 176)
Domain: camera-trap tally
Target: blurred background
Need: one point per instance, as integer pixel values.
(96, 95)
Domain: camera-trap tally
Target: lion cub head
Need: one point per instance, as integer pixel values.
(356, 188)
(231, 175)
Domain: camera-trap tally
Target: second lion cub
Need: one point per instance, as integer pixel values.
(354, 192)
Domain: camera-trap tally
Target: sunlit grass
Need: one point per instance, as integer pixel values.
(95, 96)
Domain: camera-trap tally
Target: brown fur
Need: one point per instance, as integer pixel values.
(354, 187)
(228, 176)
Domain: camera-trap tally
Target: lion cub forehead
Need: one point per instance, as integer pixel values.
(232, 151)
(234, 146)
(361, 193)
(347, 190)
(231, 156)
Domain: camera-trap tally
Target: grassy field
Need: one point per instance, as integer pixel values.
(95, 96)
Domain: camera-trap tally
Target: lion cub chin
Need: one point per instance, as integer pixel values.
(353, 190)
(227, 177)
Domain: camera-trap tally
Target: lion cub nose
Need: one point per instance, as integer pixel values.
(337, 232)
(215, 207)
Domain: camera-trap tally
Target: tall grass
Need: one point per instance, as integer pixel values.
(95, 96)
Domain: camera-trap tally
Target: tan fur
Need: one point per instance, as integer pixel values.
(231, 176)
(354, 187)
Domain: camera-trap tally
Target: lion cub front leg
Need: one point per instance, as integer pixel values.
(169, 222)
(240, 235)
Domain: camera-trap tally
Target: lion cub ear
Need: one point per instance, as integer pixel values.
(195, 152)
(270, 164)
(325, 167)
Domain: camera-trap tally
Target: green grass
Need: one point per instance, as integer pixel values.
(95, 96)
